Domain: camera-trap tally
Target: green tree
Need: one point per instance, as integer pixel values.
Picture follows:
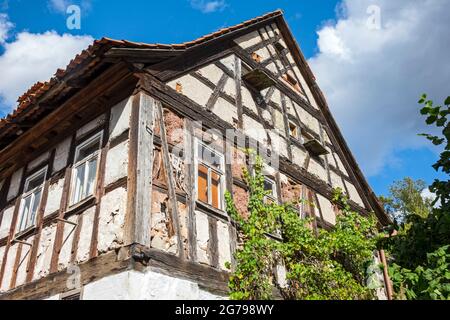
(405, 199)
(327, 265)
(420, 253)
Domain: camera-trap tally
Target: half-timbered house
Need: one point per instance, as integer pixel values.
(105, 189)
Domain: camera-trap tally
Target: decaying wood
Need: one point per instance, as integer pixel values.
(140, 170)
(170, 180)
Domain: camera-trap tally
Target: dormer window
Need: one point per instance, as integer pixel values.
(293, 83)
(256, 57)
(293, 130)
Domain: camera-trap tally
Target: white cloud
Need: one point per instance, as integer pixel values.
(5, 27)
(62, 5)
(427, 194)
(33, 57)
(208, 6)
(373, 77)
(59, 5)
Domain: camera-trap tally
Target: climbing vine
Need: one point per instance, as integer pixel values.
(323, 265)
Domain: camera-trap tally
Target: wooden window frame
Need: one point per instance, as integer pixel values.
(84, 161)
(274, 196)
(220, 172)
(30, 224)
(297, 136)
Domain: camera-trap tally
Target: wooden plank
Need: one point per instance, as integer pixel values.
(170, 180)
(238, 85)
(215, 95)
(140, 170)
(100, 188)
(286, 125)
(213, 243)
(145, 168)
(190, 192)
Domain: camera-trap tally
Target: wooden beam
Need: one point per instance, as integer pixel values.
(170, 180)
(189, 158)
(188, 108)
(100, 188)
(217, 90)
(140, 165)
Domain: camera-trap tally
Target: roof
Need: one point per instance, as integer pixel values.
(95, 50)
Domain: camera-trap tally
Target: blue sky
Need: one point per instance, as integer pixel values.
(374, 101)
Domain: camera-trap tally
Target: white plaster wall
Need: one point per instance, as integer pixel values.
(66, 248)
(112, 219)
(225, 110)
(354, 195)
(298, 156)
(39, 160)
(15, 184)
(149, 285)
(327, 209)
(54, 197)
(316, 169)
(97, 122)
(202, 227)
(229, 62)
(119, 121)
(211, 72)
(279, 122)
(247, 100)
(340, 164)
(23, 262)
(193, 89)
(248, 39)
(61, 155)
(9, 266)
(116, 163)
(336, 181)
(223, 239)
(44, 254)
(279, 144)
(85, 235)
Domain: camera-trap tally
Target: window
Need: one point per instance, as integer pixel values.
(85, 168)
(294, 83)
(210, 175)
(270, 186)
(256, 57)
(293, 130)
(31, 199)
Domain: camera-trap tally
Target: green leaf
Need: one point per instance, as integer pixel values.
(447, 101)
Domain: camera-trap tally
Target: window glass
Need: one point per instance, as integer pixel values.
(209, 176)
(85, 170)
(31, 199)
(202, 183)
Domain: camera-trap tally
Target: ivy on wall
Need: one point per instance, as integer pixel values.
(273, 238)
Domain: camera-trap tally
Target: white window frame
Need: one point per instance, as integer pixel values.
(31, 221)
(274, 195)
(221, 172)
(84, 162)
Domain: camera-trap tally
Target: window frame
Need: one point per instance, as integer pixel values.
(274, 196)
(84, 161)
(32, 193)
(221, 172)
